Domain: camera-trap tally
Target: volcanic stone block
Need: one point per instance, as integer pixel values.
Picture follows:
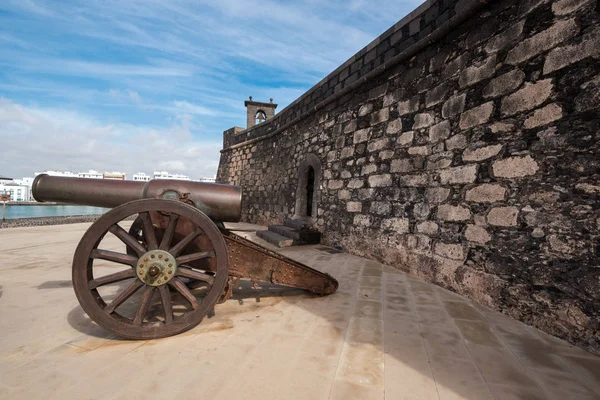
(362, 220)
(449, 250)
(564, 7)
(476, 153)
(354, 206)
(380, 207)
(401, 165)
(543, 116)
(386, 154)
(448, 212)
(356, 183)
(394, 126)
(515, 167)
(368, 169)
(470, 76)
(503, 216)
(347, 152)
(408, 106)
(361, 135)
(454, 106)
(504, 84)
(529, 97)
(423, 120)
(436, 95)
(419, 150)
(486, 193)
(545, 40)
(344, 195)
(588, 188)
(476, 116)
(463, 174)
(439, 131)
(456, 142)
(380, 180)
(437, 194)
(406, 138)
(414, 180)
(335, 184)
(365, 109)
(398, 225)
(564, 56)
(378, 144)
(503, 39)
(477, 234)
(442, 162)
(428, 228)
(392, 97)
(380, 116)
(454, 66)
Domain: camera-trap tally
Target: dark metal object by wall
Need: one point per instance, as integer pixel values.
(219, 202)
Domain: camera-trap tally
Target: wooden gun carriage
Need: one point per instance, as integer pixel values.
(178, 260)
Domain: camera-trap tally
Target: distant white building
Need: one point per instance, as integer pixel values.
(27, 182)
(91, 174)
(166, 175)
(212, 180)
(17, 191)
(120, 176)
(58, 173)
(140, 176)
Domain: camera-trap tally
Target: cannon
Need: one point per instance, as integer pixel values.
(177, 259)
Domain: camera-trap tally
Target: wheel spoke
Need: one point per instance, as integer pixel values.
(127, 239)
(114, 256)
(124, 295)
(149, 233)
(195, 256)
(175, 250)
(185, 292)
(116, 277)
(165, 298)
(144, 304)
(168, 237)
(200, 276)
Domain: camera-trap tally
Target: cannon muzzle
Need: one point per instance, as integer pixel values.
(219, 202)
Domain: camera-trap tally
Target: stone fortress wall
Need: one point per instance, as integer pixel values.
(462, 146)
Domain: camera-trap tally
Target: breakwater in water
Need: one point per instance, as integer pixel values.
(69, 219)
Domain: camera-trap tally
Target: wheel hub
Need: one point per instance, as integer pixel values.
(156, 267)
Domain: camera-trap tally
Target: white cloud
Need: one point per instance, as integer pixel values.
(189, 108)
(126, 95)
(35, 139)
(74, 67)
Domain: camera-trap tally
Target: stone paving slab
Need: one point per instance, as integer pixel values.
(382, 335)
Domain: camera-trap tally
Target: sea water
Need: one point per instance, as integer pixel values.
(47, 210)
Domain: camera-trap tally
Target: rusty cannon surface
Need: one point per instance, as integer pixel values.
(177, 259)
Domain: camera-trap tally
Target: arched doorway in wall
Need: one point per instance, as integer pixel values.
(307, 192)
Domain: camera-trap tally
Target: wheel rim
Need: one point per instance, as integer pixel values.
(124, 292)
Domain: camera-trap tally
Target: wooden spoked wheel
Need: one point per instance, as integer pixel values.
(174, 276)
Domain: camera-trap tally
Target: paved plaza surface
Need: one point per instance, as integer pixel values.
(383, 334)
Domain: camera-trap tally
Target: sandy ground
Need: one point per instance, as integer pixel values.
(383, 334)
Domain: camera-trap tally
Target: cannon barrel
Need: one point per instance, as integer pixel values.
(219, 202)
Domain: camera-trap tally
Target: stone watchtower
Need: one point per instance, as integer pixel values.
(258, 112)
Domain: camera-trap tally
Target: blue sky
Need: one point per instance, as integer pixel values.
(146, 85)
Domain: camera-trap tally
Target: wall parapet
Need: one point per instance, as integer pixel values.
(425, 25)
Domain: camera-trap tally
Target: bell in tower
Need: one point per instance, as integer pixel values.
(258, 112)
